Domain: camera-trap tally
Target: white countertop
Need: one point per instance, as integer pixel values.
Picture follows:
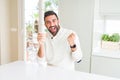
(21, 70)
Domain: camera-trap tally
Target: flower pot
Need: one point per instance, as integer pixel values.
(108, 45)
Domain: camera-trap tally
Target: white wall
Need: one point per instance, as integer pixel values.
(99, 25)
(78, 15)
(109, 7)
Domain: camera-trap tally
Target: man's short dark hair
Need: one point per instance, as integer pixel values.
(48, 13)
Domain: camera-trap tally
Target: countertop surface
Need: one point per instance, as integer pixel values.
(20, 70)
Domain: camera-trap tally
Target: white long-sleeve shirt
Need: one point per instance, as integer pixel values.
(58, 51)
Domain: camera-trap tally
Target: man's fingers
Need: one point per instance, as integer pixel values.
(71, 36)
(41, 37)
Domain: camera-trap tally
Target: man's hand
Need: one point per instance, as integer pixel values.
(41, 37)
(71, 40)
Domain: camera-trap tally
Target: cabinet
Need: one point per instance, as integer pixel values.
(4, 32)
(0, 43)
(109, 7)
(105, 66)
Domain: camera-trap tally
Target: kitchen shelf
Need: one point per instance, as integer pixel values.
(106, 53)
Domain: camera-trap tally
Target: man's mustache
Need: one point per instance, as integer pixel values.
(52, 26)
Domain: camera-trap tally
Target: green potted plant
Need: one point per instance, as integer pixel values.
(111, 42)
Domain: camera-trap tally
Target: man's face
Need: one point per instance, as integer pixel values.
(52, 24)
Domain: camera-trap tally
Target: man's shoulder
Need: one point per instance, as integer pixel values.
(68, 30)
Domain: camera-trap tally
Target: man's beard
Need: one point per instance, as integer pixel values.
(52, 28)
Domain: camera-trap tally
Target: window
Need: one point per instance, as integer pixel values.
(106, 24)
(31, 24)
(112, 24)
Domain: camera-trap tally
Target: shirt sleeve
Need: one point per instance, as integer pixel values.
(77, 55)
(41, 61)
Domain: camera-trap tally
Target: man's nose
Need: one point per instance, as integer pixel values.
(51, 24)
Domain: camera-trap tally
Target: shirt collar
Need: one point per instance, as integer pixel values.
(58, 33)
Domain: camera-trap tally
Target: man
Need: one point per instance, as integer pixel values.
(59, 46)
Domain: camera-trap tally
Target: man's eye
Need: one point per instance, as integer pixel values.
(54, 20)
(47, 22)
